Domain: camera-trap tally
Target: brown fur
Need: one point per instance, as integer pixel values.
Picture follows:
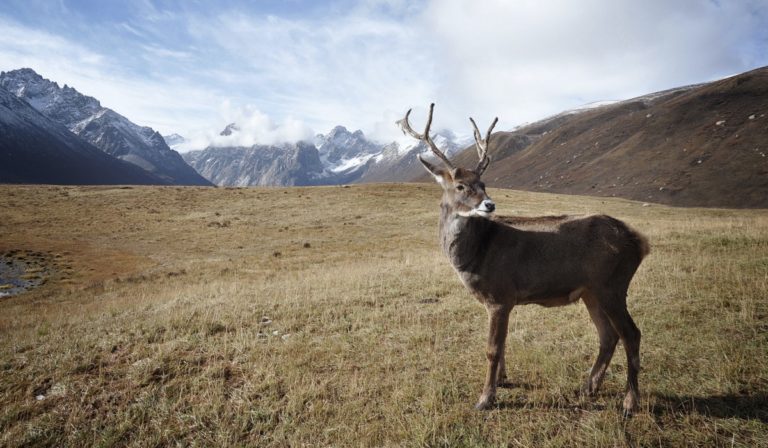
(549, 260)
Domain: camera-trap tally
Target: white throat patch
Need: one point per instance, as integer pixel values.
(474, 212)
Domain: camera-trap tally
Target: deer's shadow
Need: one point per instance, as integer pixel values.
(747, 406)
(752, 406)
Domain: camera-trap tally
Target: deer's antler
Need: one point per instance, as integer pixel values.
(406, 128)
(482, 145)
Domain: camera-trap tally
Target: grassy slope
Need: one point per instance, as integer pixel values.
(327, 316)
(700, 147)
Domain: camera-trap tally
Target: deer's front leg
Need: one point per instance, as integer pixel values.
(501, 374)
(498, 321)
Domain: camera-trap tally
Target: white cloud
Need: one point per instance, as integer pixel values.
(524, 60)
(519, 60)
(21, 46)
(163, 103)
(253, 127)
(346, 70)
(160, 52)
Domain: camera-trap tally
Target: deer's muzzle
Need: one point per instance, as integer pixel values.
(487, 206)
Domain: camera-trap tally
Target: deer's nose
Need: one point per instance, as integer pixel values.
(489, 205)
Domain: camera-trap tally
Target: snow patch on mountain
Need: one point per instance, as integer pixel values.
(348, 164)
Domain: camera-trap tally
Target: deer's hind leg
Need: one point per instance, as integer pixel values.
(616, 311)
(608, 339)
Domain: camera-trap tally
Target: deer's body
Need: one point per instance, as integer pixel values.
(507, 260)
(549, 261)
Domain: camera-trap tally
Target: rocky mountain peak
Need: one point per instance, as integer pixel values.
(340, 156)
(338, 131)
(174, 140)
(25, 74)
(65, 105)
(230, 129)
(340, 144)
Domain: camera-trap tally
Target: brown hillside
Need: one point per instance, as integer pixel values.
(705, 145)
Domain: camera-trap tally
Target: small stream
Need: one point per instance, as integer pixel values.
(21, 271)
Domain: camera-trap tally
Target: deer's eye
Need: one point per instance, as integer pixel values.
(460, 187)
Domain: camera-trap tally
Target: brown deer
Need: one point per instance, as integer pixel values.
(549, 261)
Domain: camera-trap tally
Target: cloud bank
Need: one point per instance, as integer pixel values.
(253, 127)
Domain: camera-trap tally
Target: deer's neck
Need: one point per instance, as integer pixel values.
(465, 239)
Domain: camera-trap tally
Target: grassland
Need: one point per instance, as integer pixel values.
(328, 317)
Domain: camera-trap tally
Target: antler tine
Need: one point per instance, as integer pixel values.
(488, 134)
(482, 145)
(405, 125)
(478, 139)
(429, 120)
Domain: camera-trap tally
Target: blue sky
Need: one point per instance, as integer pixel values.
(288, 69)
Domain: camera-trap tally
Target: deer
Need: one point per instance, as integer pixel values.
(549, 261)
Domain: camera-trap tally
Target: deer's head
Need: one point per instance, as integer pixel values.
(462, 188)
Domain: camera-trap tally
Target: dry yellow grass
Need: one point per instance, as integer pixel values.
(327, 317)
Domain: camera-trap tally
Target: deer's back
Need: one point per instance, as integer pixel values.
(552, 256)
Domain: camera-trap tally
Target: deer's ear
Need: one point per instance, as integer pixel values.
(438, 173)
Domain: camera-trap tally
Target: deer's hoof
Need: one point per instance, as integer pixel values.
(630, 405)
(587, 390)
(484, 404)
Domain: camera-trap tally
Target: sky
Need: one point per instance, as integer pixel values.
(287, 70)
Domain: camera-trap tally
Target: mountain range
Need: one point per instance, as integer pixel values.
(699, 145)
(102, 127)
(339, 157)
(284, 164)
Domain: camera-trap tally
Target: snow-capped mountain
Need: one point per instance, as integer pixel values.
(287, 164)
(36, 149)
(335, 158)
(396, 163)
(102, 127)
(291, 164)
(346, 155)
(340, 144)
